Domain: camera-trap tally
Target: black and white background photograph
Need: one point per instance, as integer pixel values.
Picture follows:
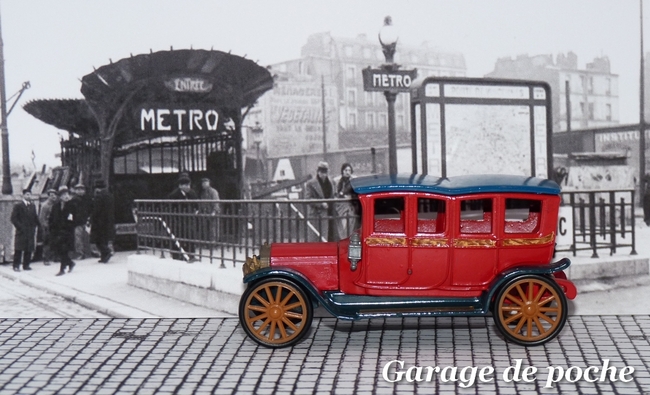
(156, 152)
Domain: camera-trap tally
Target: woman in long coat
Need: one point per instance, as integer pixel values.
(347, 212)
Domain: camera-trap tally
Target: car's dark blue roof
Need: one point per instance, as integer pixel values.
(457, 185)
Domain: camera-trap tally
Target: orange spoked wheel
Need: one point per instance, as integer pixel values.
(530, 310)
(275, 312)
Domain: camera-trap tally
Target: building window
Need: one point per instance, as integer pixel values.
(370, 120)
(582, 110)
(382, 120)
(609, 112)
(400, 121)
(591, 85)
(591, 111)
(609, 86)
(370, 98)
(352, 97)
(351, 72)
(352, 120)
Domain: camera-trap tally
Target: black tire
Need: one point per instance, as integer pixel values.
(275, 312)
(530, 310)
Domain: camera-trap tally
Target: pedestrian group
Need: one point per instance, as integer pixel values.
(72, 225)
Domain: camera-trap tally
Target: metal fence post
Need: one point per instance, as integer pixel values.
(612, 222)
(592, 224)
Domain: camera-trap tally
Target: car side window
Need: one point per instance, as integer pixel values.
(476, 216)
(389, 215)
(522, 215)
(431, 215)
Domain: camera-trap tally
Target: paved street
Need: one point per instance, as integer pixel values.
(18, 300)
(155, 353)
(127, 356)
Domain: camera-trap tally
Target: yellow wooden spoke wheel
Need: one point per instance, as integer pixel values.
(530, 310)
(275, 312)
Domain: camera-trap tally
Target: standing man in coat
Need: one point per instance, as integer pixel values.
(63, 221)
(209, 210)
(320, 214)
(102, 221)
(25, 220)
(183, 220)
(44, 220)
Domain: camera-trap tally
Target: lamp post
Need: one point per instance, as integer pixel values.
(388, 40)
(7, 189)
(258, 136)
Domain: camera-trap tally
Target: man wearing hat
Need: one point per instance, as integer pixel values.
(102, 221)
(182, 226)
(184, 190)
(63, 221)
(25, 220)
(209, 223)
(44, 220)
(84, 205)
(320, 214)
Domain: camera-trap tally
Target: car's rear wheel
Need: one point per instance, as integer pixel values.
(275, 312)
(530, 310)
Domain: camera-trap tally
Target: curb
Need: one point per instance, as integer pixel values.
(102, 305)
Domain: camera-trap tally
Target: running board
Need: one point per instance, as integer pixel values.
(362, 306)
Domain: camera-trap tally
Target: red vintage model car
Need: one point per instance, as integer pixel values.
(427, 246)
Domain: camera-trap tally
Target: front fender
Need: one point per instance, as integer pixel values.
(504, 277)
(290, 274)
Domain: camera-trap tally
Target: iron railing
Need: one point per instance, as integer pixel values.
(227, 231)
(601, 220)
(234, 229)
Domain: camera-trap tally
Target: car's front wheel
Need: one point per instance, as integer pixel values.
(275, 312)
(530, 310)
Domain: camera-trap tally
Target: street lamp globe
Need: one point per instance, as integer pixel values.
(388, 39)
(258, 133)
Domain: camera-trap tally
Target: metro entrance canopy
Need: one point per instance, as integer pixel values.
(179, 93)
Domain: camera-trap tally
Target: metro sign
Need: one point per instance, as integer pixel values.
(381, 80)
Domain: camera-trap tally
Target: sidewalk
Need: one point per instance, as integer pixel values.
(104, 288)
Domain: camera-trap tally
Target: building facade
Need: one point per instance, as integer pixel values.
(592, 92)
(362, 119)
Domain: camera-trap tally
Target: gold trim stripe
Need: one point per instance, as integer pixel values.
(386, 241)
(474, 243)
(424, 242)
(528, 242)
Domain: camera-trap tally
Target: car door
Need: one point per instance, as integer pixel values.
(474, 250)
(385, 249)
(429, 243)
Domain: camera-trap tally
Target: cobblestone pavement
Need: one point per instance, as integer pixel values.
(105, 356)
(18, 300)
